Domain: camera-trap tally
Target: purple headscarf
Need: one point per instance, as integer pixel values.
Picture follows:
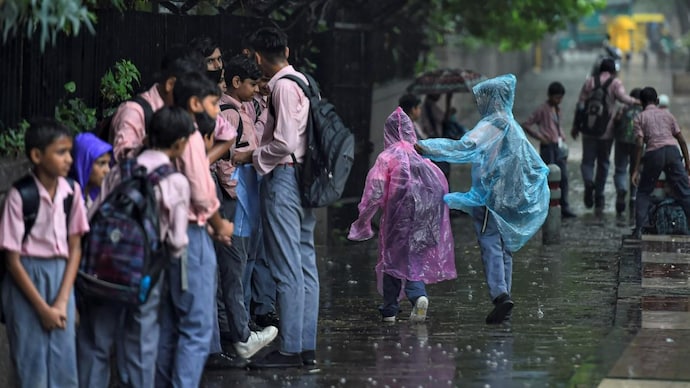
(86, 149)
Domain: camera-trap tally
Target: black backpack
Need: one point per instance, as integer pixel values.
(28, 191)
(123, 255)
(667, 217)
(623, 127)
(104, 130)
(595, 115)
(330, 150)
(240, 128)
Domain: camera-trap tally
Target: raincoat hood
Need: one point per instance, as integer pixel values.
(398, 127)
(86, 149)
(496, 95)
(509, 177)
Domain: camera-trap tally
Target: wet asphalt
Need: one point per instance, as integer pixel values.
(562, 332)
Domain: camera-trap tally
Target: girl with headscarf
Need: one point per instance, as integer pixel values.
(91, 158)
(415, 237)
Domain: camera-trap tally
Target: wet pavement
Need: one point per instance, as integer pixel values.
(565, 330)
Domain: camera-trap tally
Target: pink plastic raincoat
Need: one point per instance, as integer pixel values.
(415, 237)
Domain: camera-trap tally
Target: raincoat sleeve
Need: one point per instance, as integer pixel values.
(372, 200)
(465, 150)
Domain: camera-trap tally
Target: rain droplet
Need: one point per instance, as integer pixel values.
(455, 350)
(546, 269)
(472, 272)
(376, 345)
(540, 314)
(348, 266)
(398, 346)
(352, 282)
(329, 347)
(387, 357)
(468, 347)
(342, 380)
(478, 351)
(670, 340)
(405, 354)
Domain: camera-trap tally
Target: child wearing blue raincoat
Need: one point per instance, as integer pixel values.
(509, 198)
(415, 237)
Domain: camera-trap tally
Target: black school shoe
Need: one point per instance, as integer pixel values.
(218, 361)
(503, 306)
(265, 320)
(276, 359)
(309, 358)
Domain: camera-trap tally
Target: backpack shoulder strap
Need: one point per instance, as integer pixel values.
(160, 172)
(597, 81)
(67, 204)
(608, 82)
(28, 191)
(310, 90)
(240, 126)
(148, 111)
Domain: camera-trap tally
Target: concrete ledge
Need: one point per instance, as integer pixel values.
(681, 83)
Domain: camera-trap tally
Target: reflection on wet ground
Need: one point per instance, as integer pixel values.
(565, 300)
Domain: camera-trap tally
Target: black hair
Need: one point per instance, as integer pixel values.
(635, 93)
(556, 89)
(409, 101)
(205, 45)
(243, 67)
(270, 42)
(180, 60)
(193, 85)
(607, 65)
(42, 132)
(648, 96)
(168, 125)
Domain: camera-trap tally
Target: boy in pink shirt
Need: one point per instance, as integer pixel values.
(188, 310)
(136, 329)
(42, 263)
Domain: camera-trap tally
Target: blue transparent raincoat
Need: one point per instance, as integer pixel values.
(508, 176)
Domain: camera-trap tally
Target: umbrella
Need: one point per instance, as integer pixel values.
(443, 81)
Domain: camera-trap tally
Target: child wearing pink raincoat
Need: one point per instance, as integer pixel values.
(415, 237)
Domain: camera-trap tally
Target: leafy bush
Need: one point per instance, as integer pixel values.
(118, 86)
(74, 113)
(12, 140)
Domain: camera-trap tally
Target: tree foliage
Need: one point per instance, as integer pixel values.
(510, 24)
(45, 17)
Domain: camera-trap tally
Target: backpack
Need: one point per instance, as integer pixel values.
(595, 115)
(330, 150)
(28, 191)
(104, 129)
(667, 217)
(122, 255)
(623, 128)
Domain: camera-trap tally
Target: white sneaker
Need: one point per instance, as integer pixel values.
(388, 319)
(256, 341)
(418, 313)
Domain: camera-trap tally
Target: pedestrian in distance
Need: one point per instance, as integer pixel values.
(509, 197)
(415, 237)
(42, 256)
(658, 131)
(412, 106)
(596, 149)
(552, 138)
(132, 332)
(624, 156)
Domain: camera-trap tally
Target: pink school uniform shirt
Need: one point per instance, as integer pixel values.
(286, 133)
(225, 168)
(616, 91)
(657, 127)
(172, 197)
(48, 237)
(129, 124)
(547, 118)
(194, 165)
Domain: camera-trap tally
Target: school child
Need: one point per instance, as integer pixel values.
(128, 125)
(91, 163)
(415, 238)
(659, 131)
(42, 259)
(624, 157)
(551, 138)
(239, 191)
(509, 198)
(412, 106)
(134, 331)
(187, 313)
